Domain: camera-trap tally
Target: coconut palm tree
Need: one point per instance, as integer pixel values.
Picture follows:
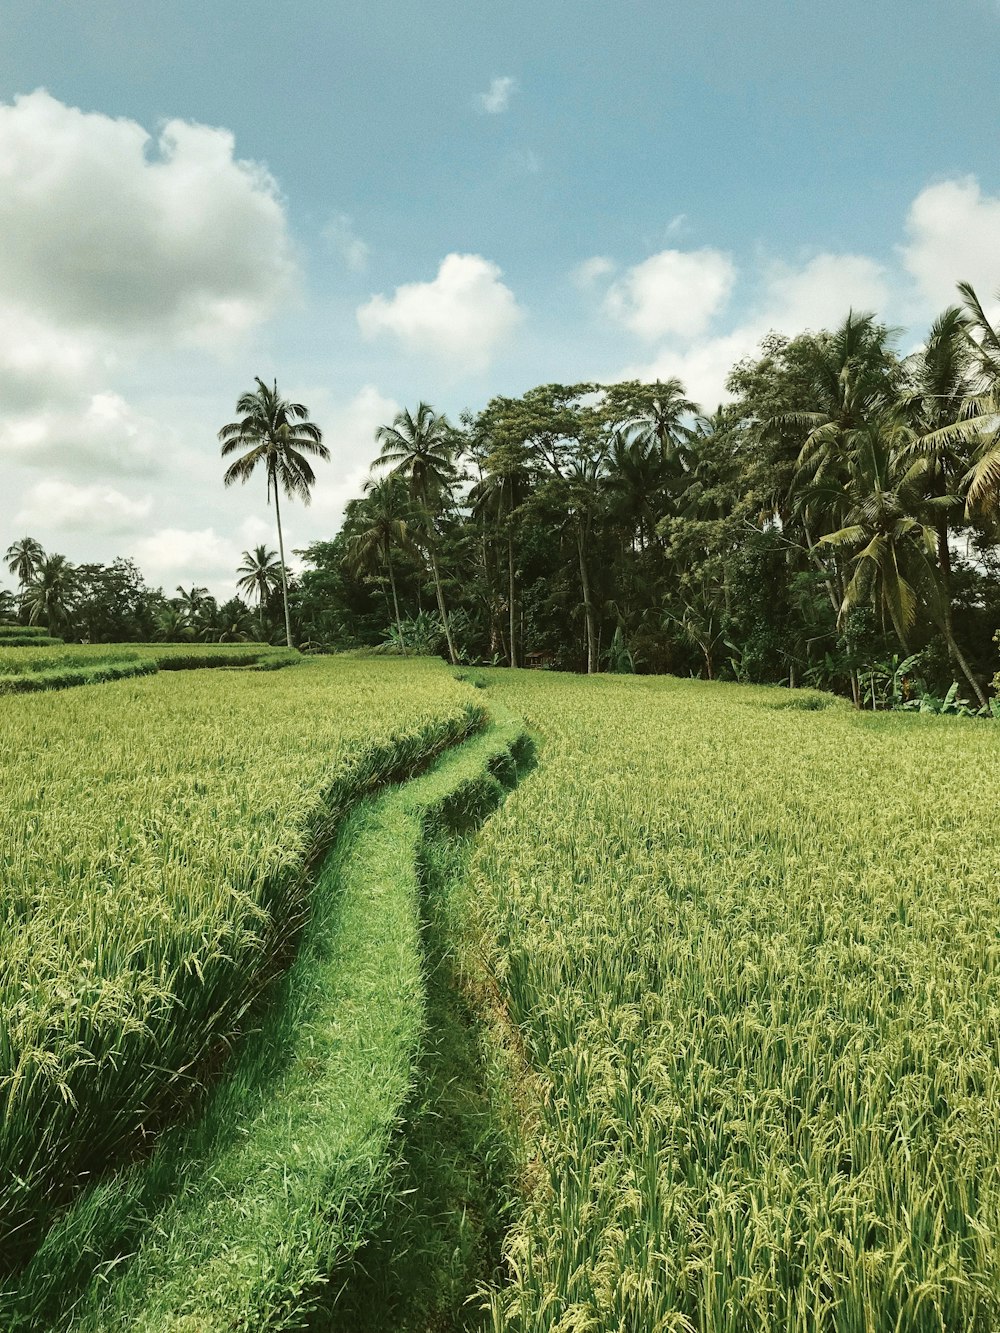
(277, 434)
(24, 558)
(383, 514)
(890, 522)
(51, 594)
(421, 450)
(261, 577)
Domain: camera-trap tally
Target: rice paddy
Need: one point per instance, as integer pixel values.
(754, 954)
(735, 953)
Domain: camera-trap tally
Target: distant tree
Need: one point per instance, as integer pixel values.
(260, 577)
(24, 557)
(276, 434)
(114, 603)
(172, 624)
(384, 528)
(421, 449)
(51, 595)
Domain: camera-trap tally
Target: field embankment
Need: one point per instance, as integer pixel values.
(31, 665)
(158, 837)
(753, 954)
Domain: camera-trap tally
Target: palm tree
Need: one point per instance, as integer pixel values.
(384, 512)
(895, 564)
(24, 558)
(278, 434)
(421, 449)
(261, 573)
(172, 624)
(51, 594)
(943, 381)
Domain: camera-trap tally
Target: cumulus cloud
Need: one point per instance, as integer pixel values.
(497, 97)
(340, 234)
(952, 236)
(462, 316)
(349, 430)
(63, 506)
(105, 229)
(176, 555)
(815, 294)
(673, 292)
(100, 434)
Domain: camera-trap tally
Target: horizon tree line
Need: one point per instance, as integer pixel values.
(834, 522)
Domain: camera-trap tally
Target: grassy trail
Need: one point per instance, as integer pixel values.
(293, 1164)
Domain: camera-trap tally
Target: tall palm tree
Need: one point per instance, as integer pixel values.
(24, 558)
(943, 380)
(51, 593)
(277, 434)
(261, 576)
(421, 449)
(383, 515)
(895, 548)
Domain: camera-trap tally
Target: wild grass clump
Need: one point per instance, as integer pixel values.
(753, 955)
(156, 842)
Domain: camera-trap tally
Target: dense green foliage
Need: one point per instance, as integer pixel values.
(157, 861)
(838, 512)
(751, 947)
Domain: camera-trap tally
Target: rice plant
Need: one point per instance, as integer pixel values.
(753, 951)
(155, 841)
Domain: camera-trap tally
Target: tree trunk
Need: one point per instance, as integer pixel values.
(511, 603)
(284, 572)
(452, 656)
(395, 600)
(947, 623)
(588, 609)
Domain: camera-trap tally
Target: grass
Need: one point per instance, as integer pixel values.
(753, 955)
(157, 864)
(291, 1165)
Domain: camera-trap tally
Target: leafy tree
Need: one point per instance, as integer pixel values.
(277, 435)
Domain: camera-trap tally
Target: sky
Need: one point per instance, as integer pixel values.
(441, 200)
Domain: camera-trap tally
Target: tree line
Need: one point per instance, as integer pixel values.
(834, 524)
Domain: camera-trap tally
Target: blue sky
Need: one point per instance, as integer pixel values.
(442, 200)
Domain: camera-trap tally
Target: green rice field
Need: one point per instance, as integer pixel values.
(366, 995)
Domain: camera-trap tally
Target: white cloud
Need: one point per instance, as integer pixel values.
(62, 506)
(591, 271)
(673, 292)
(953, 232)
(170, 556)
(105, 230)
(462, 317)
(496, 99)
(820, 292)
(814, 295)
(350, 433)
(100, 433)
(340, 233)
